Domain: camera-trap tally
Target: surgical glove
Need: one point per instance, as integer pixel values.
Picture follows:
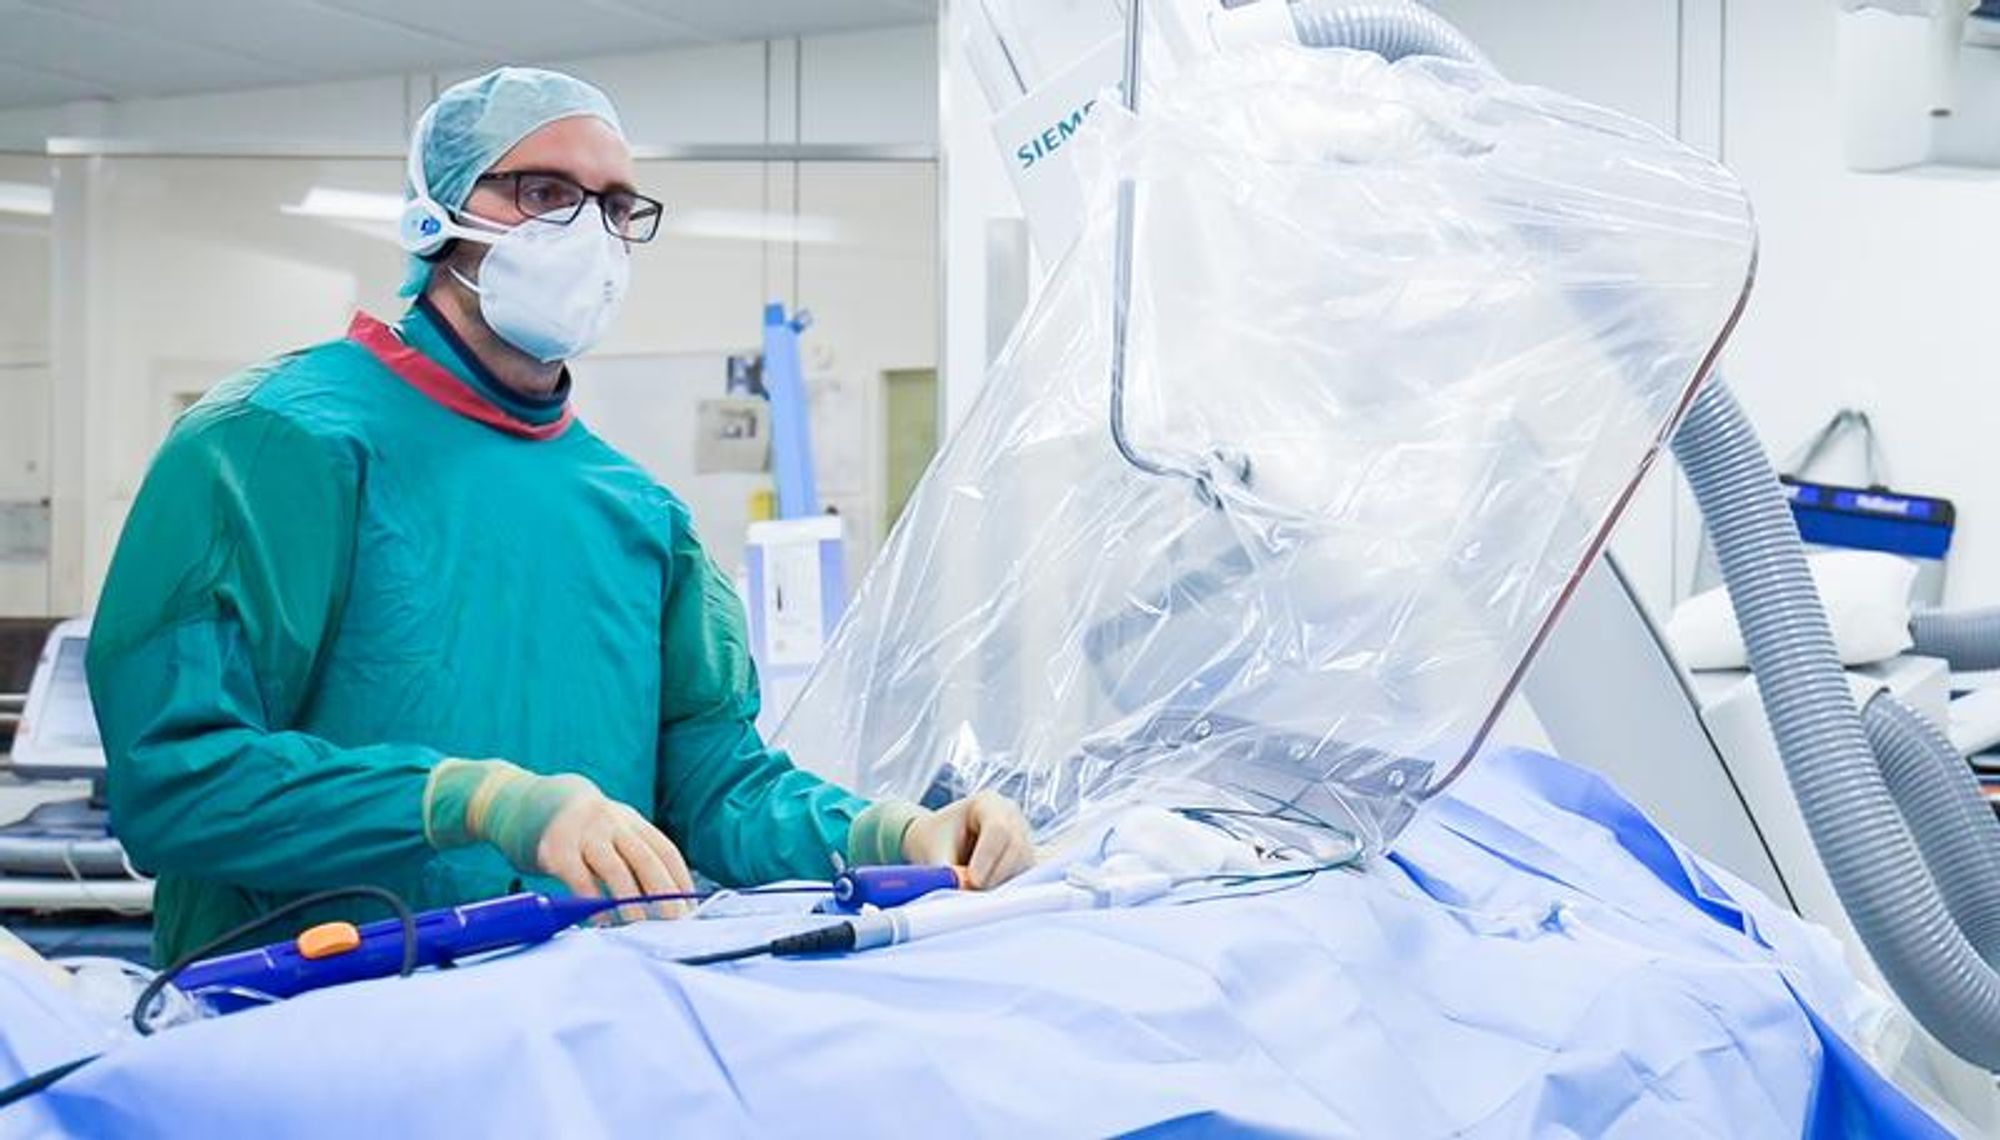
(561, 826)
(984, 833)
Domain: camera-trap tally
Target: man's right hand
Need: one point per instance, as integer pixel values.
(594, 845)
(561, 826)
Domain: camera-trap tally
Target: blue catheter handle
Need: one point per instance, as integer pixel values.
(892, 886)
(335, 953)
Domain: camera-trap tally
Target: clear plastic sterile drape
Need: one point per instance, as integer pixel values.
(1417, 330)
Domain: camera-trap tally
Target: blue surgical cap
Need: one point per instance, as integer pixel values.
(475, 122)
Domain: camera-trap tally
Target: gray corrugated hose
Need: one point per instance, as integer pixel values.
(1968, 639)
(1881, 877)
(1882, 880)
(1392, 30)
(1954, 825)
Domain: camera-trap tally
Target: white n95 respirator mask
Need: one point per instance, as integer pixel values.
(551, 290)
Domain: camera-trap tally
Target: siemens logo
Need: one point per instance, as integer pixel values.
(1051, 140)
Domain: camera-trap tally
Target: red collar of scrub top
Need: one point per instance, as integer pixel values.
(437, 382)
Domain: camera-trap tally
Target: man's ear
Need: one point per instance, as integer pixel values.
(441, 254)
(463, 256)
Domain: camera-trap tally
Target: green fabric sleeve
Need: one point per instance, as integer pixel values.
(877, 837)
(228, 579)
(740, 811)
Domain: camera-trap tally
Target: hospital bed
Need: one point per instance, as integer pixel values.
(1537, 959)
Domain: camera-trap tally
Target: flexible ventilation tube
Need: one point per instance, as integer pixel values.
(1868, 851)
(1969, 639)
(1391, 30)
(1954, 826)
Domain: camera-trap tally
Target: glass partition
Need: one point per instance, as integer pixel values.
(26, 207)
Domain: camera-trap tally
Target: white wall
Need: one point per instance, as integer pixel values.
(1619, 53)
(176, 270)
(1875, 290)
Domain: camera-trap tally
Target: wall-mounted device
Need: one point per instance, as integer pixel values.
(1920, 83)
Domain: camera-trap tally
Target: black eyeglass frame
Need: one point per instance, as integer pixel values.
(644, 209)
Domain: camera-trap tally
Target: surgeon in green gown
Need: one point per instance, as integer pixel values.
(384, 613)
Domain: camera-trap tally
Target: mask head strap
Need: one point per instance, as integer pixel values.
(426, 225)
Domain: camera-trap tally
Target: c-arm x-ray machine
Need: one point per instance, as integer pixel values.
(1699, 754)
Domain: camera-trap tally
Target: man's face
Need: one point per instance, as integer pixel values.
(583, 149)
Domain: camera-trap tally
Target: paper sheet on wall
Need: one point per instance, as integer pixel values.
(24, 531)
(732, 435)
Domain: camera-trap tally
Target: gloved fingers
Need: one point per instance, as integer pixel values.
(668, 853)
(600, 853)
(999, 838)
(566, 864)
(996, 854)
(1000, 855)
(654, 875)
(1020, 858)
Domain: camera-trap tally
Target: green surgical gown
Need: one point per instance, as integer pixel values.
(329, 582)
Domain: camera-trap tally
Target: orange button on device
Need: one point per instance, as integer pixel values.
(328, 939)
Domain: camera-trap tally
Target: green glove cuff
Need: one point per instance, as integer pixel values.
(876, 837)
(467, 801)
(446, 795)
(520, 811)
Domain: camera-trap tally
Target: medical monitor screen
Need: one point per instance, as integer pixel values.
(58, 735)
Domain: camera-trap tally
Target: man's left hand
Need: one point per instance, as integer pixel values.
(984, 833)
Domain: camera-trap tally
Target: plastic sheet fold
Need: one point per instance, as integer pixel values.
(1402, 340)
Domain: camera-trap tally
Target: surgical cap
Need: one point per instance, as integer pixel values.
(475, 122)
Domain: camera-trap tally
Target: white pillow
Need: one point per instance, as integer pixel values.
(1867, 600)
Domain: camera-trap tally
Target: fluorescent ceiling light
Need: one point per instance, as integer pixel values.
(749, 225)
(26, 198)
(346, 205)
(379, 231)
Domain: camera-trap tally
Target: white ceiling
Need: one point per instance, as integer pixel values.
(53, 51)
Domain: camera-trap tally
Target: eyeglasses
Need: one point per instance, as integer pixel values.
(557, 199)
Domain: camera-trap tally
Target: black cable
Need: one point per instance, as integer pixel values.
(140, 1019)
(29, 1086)
(835, 939)
(735, 955)
(1278, 884)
